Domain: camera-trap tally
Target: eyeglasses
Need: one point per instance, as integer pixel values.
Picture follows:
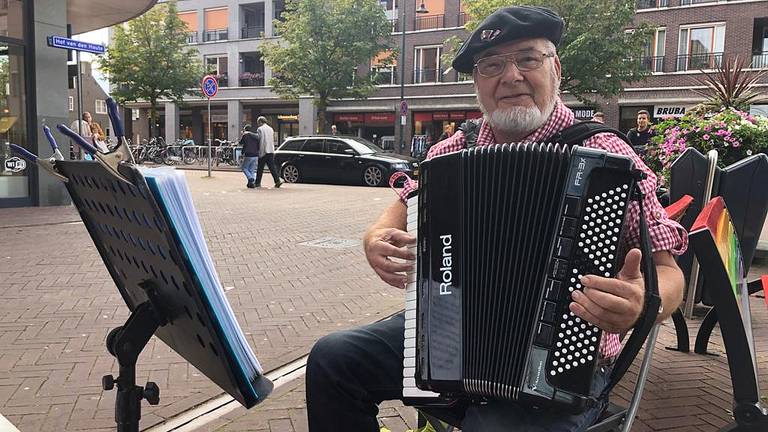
(525, 61)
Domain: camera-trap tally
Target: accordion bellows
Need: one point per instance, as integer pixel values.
(504, 233)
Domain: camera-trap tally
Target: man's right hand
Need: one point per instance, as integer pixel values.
(381, 245)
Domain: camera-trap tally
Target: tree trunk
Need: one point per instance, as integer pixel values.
(322, 122)
(153, 131)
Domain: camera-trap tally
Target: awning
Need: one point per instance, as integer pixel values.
(87, 15)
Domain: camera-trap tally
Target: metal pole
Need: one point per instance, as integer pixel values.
(79, 82)
(402, 77)
(209, 137)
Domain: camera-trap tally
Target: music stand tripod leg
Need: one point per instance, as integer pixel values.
(126, 343)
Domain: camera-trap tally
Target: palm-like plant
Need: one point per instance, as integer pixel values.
(730, 86)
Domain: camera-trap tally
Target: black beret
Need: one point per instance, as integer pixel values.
(506, 25)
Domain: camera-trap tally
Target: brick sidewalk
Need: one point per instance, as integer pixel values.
(684, 392)
(59, 303)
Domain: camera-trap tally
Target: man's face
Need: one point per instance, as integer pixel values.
(514, 91)
(642, 121)
(87, 117)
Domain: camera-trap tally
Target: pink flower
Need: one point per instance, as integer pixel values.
(706, 137)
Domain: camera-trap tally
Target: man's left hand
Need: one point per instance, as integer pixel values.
(612, 304)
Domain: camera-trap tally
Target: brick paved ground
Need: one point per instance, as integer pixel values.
(684, 392)
(58, 302)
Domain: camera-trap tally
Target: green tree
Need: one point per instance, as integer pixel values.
(596, 53)
(323, 44)
(149, 60)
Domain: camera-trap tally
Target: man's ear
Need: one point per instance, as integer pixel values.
(558, 67)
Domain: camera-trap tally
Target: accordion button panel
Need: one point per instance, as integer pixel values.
(409, 353)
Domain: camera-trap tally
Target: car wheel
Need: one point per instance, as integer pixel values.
(290, 173)
(373, 176)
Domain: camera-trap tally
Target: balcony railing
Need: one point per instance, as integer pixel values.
(651, 4)
(429, 22)
(252, 32)
(652, 64)
(253, 81)
(216, 35)
(462, 19)
(699, 61)
(386, 77)
(395, 25)
(421, 76)
(760, 61)
(693, 2)
(191, 37)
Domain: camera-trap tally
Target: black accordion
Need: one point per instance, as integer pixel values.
(504, 233)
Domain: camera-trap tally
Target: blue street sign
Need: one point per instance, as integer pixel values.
(62, 42)
(210, 86)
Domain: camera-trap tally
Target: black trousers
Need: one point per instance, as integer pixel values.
(269, 160)
(350, 372)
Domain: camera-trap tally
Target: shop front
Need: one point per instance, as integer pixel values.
(429, 126)
(377, 127)
(628, 114)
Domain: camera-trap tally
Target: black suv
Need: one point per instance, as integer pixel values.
(339, 159)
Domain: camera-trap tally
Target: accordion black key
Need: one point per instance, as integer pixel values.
(504, 234)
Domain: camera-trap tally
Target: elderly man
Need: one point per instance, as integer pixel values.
(512, 56)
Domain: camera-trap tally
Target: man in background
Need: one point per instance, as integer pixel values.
(251, 148)
(83, 128)
(266, 152)
(599, 117)
(641, 135)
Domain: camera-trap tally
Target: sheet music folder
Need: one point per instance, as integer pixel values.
(139, 242)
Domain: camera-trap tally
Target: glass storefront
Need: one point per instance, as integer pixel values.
(14, 172)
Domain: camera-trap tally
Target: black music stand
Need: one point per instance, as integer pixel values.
(741, 186)
(716, 245)
(142, 252)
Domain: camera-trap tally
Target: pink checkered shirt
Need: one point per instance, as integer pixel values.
(665, 233)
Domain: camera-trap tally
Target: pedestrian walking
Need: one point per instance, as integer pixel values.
(82, 127)
(251, 145)
(266, 152)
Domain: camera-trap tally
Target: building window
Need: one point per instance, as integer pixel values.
(251, 69)
(101, 106)
(216, 24)
(427, 65)
(12, 18)
(693, 2)
(653, 51)
(71, 103)
(217, 66)
(190, 20)
(135, 114)
(760, 44)
(701, 47)
(14, 182)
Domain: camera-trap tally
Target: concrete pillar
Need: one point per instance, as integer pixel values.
(201, 25)
(307, 115)
(50, 78)
(269, 15)
(171, 122)
(234, 118)
(197, 126)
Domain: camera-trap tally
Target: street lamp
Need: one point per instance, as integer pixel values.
(421, 10)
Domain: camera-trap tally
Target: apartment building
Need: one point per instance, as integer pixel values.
(691, 35)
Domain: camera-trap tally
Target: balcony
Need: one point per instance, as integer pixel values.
(251, 79)
(192, 37)
(429, 22)
(760, 61)
(395, 25)
(693, 2)
(652, 64)
(422, 76)
(216, 35)
(652, 4)
(252, 32)
(386, 76)
(699, 61)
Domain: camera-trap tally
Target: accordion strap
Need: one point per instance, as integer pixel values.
(651, 304)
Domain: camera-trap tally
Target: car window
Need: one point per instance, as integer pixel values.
(335, 146)
(292, 145)
(313, 146)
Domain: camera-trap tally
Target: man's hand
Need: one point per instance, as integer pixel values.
(614, 305)
(381, 245)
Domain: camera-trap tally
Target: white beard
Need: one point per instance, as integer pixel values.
(521, 121)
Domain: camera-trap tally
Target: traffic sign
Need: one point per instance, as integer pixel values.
(210, 86)
(403, 108)
(66, 43)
